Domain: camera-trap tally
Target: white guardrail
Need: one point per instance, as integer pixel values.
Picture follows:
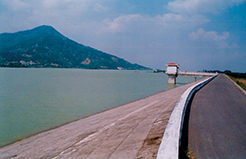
(169, 148)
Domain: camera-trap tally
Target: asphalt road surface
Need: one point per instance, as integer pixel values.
(217, 121)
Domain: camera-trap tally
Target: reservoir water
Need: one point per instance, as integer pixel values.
(33, 100)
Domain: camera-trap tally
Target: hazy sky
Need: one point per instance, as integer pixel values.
(197, 34)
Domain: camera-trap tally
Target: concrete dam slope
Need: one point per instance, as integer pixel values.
(217, 127)
(131, 131)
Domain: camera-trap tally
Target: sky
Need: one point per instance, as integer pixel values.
(196, 34)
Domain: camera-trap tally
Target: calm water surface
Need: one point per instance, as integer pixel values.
(34, 100)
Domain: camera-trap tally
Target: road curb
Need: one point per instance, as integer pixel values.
(169, 148)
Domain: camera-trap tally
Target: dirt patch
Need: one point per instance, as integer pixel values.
(152, 143)
(243, 81)
(84, 135)
(86, 62)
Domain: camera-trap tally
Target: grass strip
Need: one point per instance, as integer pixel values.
(240, 81)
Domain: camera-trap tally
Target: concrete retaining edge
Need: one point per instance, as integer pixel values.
(169, 148)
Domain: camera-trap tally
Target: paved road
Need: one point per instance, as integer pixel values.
(217, 124)
(131, 131)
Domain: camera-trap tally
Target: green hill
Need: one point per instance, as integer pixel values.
(46, 47)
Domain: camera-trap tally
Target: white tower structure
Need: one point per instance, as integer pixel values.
(172, 72)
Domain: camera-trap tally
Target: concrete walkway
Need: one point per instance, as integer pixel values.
(217, 122)
(131, 131)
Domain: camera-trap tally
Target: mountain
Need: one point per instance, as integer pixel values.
(44, 46)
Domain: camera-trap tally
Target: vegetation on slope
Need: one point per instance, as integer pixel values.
(46, 47)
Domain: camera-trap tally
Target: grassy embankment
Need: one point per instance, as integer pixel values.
(240, 81)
